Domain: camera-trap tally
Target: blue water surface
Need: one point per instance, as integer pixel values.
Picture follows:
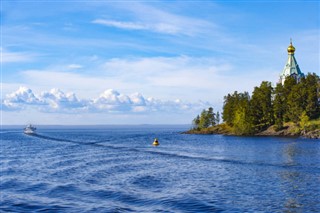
(116, 169)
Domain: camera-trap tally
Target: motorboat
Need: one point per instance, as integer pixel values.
(29, 129)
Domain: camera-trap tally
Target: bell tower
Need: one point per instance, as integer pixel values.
(291, 68)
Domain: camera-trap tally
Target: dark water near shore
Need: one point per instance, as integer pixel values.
(116, 169)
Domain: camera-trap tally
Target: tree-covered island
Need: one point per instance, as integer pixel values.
(289, 109)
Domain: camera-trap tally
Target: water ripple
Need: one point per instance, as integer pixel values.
(118, 170)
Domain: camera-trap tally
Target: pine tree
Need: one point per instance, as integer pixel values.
(242, 122)
(289, 83)
(196, 122)
(304, 119)
(204, 121)
(279, 106)
(228, 108)
(295, 102)
(312, 86)
(261, 106)
(232, 103)
(218, 118)
(211, 117)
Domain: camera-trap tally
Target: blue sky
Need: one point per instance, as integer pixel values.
(137, 62)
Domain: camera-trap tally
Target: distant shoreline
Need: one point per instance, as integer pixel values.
(91, 125)
(102, 127)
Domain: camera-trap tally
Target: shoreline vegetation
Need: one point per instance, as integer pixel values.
(291, 110)
(289, 129)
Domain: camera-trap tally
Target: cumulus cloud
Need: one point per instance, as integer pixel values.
(23, 95)
(109, 101)
(113, 101)
(58, 101)
(185, 77)
(162, 77)
(53, 101)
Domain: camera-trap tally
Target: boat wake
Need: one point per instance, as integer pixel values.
(66, 140)
(102, 143)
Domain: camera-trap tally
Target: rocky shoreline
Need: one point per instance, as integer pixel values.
(287, 131)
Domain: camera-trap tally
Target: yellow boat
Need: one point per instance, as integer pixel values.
(155, 142)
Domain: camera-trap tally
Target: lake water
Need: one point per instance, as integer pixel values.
(116, 169)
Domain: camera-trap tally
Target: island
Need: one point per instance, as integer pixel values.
(289, 109)
(292, 108)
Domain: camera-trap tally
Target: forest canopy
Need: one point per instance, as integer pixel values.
(296, 102)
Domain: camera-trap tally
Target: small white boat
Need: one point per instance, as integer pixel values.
(29, 130)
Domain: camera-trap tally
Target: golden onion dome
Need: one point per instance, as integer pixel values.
(291, 49)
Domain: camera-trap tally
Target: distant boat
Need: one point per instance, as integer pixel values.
(29, 129)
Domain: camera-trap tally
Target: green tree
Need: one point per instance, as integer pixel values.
(261, 106)
(279, 106)
(304, 119)
(228, 108)
(293, 101)
(218, 118)
(232, 103)
(211, 117)
(301, 96)
(289, 83)
(296, 102)
(196, 122)
(204, 121)
(312, 87)
(242, 122)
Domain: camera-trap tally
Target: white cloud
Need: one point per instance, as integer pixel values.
(120, 24)
(184, 77)
(137, 99)
(154, 19)
(53, 101)
(23, 95)
(84, 85)
(167, 28)
(74, 66)
(182, 72)
(110, 101)
(173, 27)
(164, 77)
(11, 57)
(58, 101)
